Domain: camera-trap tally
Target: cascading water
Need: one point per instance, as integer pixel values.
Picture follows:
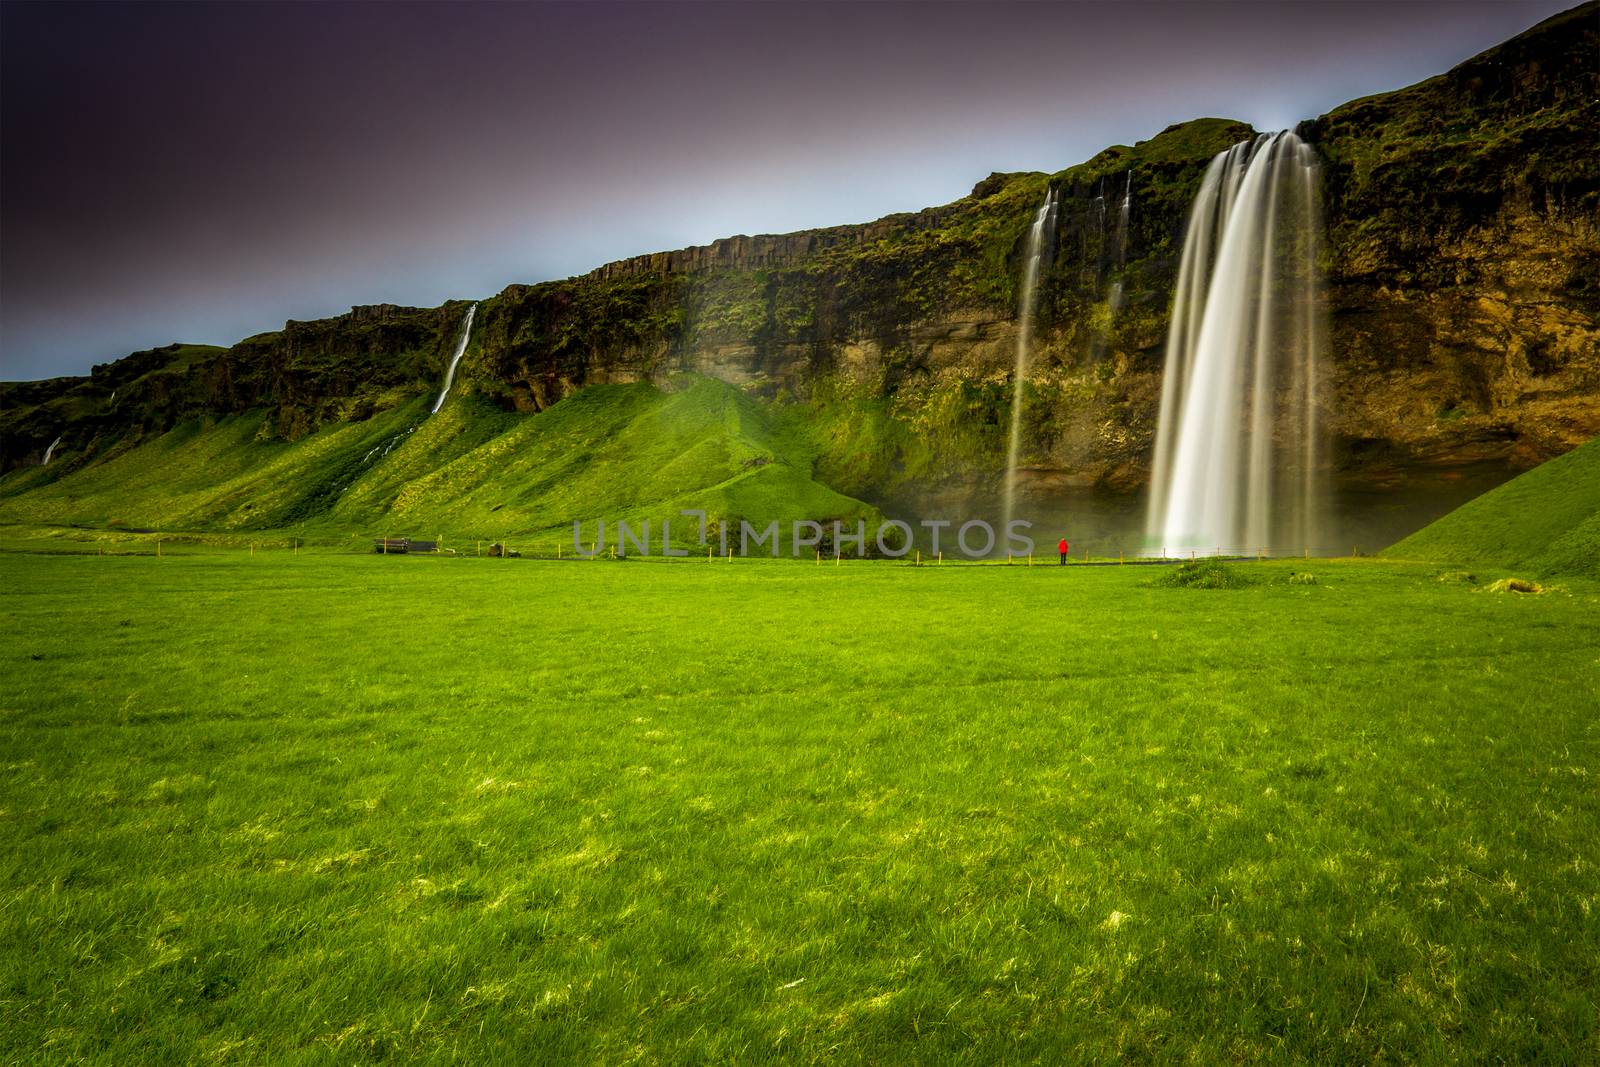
(1043, 223)
(49, 451)
(1239, 459)
(1122, 220)
(461, 348)
(1114, 299)
(1101, 332)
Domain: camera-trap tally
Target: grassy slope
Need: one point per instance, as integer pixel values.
(1547, 521)
(719, 812)
(610, 451)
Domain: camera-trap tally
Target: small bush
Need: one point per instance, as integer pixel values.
(1457, 578)
(1298, 578)
(1202, 574)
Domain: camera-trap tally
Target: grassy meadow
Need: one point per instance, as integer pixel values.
(1546, 521)
(329, 807)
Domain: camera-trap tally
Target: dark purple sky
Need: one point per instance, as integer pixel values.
(203, 172)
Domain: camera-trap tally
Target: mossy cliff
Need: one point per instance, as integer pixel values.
(1464, 225)
(1464, 290)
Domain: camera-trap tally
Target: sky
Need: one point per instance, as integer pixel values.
(203, 172)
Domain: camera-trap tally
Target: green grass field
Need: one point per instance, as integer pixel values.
(340, 807)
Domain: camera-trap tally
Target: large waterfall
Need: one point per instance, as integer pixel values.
(1240, 459)
(461, 348)
(50, 451)
(1038, 236)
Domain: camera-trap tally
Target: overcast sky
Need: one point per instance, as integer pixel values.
(204, 172)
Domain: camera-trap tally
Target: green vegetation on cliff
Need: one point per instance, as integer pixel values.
(614, 452)
(1546, 521)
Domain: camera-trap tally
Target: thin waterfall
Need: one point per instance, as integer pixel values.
(50, 450)
(1122, 220)
(1043, 223)
(1239, 463)
(1114, 298)
(461, 348)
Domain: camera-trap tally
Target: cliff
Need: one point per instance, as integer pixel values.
(1464, 293)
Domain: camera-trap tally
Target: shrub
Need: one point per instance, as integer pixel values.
(1202, 574)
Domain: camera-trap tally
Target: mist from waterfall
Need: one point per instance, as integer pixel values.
(1240, 456)
(1043, 223)
(49, 451)
(461, 348)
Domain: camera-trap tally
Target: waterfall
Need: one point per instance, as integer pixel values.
(1100, 334)
(51, 449)
(1122, 220)
(1114, 300)
(1239, 457)
(461, 348)
(1042, 224)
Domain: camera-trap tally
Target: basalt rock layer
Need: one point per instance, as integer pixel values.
(1463, 255)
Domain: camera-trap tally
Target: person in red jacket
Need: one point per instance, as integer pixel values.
(1063, 548)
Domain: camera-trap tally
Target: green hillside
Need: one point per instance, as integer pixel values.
(1547, 521)
(611, 451)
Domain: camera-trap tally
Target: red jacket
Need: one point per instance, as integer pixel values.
(1063, 546)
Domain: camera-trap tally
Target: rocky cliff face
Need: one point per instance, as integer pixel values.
(1464, 294)
(1464, 225)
